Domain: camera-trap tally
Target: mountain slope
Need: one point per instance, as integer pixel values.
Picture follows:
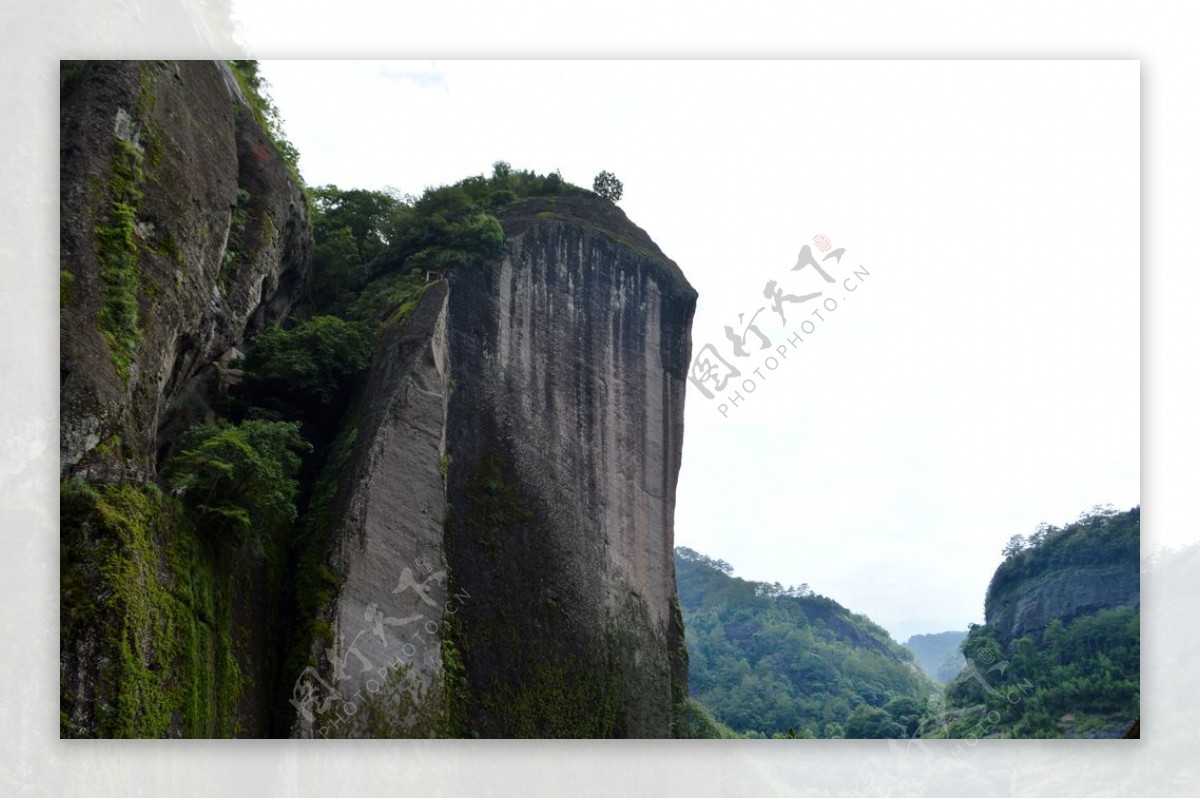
(768, 660)
(1059, 654)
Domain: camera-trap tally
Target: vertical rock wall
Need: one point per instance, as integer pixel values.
(505, 527)
(182, 233)
(570, 358)
(387, 518)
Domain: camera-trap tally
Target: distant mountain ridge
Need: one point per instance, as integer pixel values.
(938, 654)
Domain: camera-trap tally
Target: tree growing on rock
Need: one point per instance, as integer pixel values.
(607, 186)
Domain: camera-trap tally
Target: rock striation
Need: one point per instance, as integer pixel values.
(1087, 567)
(1064, 595)
(540, 398)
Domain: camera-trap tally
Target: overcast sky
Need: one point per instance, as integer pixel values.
(981, 373)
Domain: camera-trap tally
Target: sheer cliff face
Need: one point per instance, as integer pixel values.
(1089, 566)
(552, 603)
(570, 358)
(389, 513)
(181, 233)
(1064, 595)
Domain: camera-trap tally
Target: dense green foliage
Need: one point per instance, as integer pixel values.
(1080, 680)
(240, 481)
(1100, 536)
(306, 370)
(938, 654)
(366, 236)
(772, 661)
(1079, 676)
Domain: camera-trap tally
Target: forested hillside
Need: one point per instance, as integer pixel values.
(769, 660)
(1059, 655)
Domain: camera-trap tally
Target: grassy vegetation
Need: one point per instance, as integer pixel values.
(389, 298)
(117, 253)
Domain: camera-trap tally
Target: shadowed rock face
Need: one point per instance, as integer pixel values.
(565, 364)
(182, 234)
(1064, 595)
(570, 357)
(1089, 566)
(207, 241)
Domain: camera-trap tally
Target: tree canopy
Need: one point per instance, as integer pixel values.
(608, 187)
(240, 479)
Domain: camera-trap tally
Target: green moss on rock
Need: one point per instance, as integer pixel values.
(496, 503)
(138, 580)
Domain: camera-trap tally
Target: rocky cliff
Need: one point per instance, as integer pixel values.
(182, 233)
(505, 526)
(566, 430)
(1060, 653)
(1067, 573)
(473, 537)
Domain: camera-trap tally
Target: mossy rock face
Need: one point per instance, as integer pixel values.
(147, 646)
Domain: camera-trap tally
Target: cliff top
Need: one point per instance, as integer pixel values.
(596, 214)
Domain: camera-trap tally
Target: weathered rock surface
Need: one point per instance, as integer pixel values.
(388, 518)
(182, 234)
(216, 246)
(1064, 595)
(501, 535)
(551, 610)
(570, 356)
(1085, 568)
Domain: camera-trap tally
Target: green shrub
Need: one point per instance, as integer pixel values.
(311, 365)
(240, 481)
